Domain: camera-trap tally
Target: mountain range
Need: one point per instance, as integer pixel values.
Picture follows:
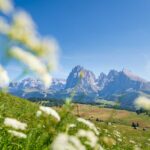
(121, 86)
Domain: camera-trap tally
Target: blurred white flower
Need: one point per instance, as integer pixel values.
(136, 147)
(66, 142)
(109, 123)
(23, 20)
(33, 63)
(4, 79)
(49, 51)
(131, 141)
(99, 147)
(33, 42)
(50, 111)
(92, 139)
(6, 6)
(17, 134)
(119, 139)
(47, 79)
(105, 130)
(10, 122)
(89, 124)
(109, 141)
(48, 46)
(44, 55)
(4, 26)
(76, 143)
(70, 126)
(38, 113)
(117, 133)
(23, 29)
(142, 102)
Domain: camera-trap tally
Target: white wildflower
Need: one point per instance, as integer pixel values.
(33, 42)
(109, 141)
(109, 123)
(76, 143)
(89, 124)
(49, 46)
(4, 79)
(38, 113)
(47, 79)
(50, 111)
(92, 139)
(131, 141)
(25, 28)
(23, 20)
(6, 6)
(47, 49)
(136, 147)
(98, 147)
(66, 142)
(117, 133)
(148, 144)
(71, 126)
(143, 102)
(33, 63)
(22, 28)
(4, 26)
(105, 130)
(49, 52)
(10, 122)
(119, 139)
(17, 134)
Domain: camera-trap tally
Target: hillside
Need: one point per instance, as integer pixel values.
(114, 125)
(119, 117)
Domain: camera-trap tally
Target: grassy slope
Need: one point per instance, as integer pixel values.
(25, 111)
(118, 116)
(20, 109)
(121, 121)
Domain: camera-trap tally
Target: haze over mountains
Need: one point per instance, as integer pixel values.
(123, 86)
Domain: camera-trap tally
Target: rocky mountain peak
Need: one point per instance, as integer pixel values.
(132, 76)
(112, 73)
(102, 76)
(85, 83)
(78, 68)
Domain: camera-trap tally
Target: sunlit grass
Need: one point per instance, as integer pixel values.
(41, 131)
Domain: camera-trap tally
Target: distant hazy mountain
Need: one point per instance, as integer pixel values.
(123, 86)
(120, 82)
(30, 88)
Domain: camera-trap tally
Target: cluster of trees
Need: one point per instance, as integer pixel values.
(141, 111)
(135, 125)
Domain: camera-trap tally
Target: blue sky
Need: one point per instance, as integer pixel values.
(97, 34)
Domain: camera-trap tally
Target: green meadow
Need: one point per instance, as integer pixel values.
(113, 125)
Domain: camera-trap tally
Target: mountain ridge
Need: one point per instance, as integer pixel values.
(87, 87)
